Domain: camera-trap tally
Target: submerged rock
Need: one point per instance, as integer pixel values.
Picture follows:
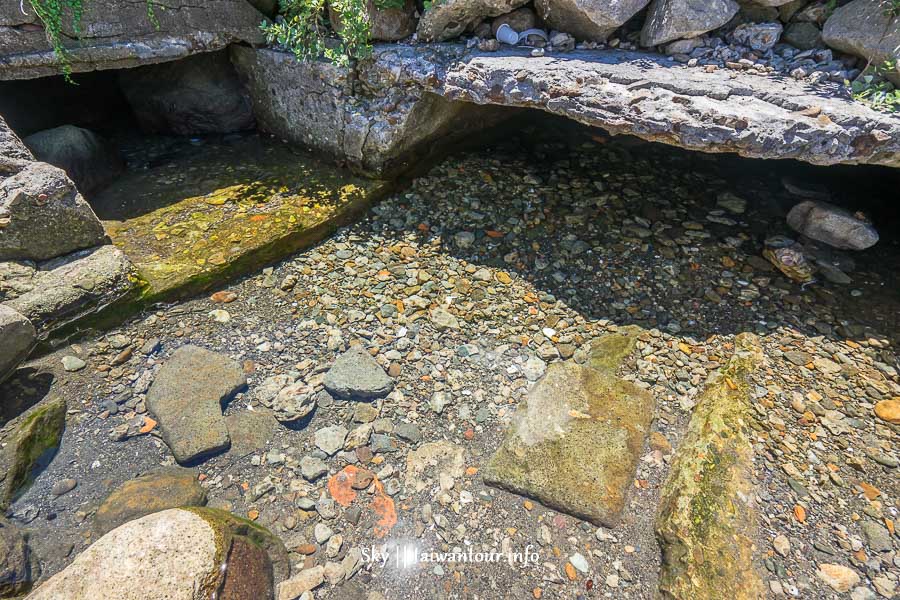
(706, 508)
(175, 554)
(832, 225)
(355, 375)
(18, 569)
(575, 442)
(669, 20)
(161, 489)
(187, 397)
(198, 95)
(18, 336)
(89, 160)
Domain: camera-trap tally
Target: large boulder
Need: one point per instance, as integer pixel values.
(18, 569)
(118, 35)
(588, 19)
(18, 336)
(65, 289)
(187, 396)
(449, 19)
(198, 95)
(161, 489)
(176, 554)
(669, 20)
(11, 149)
(43, 216)
(385, 25)
(867, 29)
(832, 225)
(89, 160)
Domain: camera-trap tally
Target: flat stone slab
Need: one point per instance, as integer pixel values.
(355, 375)
(186, 397)
(648, 96)
(575, 442)
(189, 224)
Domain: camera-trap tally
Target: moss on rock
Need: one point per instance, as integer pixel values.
(706, 523)
(30, 443)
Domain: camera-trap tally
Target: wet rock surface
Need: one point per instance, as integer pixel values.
(90, 161)
(187, 396)
(537, 248)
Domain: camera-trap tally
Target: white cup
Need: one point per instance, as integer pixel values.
(507, 35)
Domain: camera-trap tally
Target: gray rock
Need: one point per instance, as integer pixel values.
(588, 19)
(449, 19)
(89, 160)
(669, 20)
(65, 289)
(18, 569)
(187, 396)
(11, 147)
(73, 364)
(864, 28)
(408, 432)
(19, 337)
(116, 35)
(385, 24)
(805, 36)
(312, 468)
(832, 225)
(198, 95)
(519, 19)
(43, 216)
(877, 537)
(27, 444)
(761, 37)
(330, 439)
(355, 375)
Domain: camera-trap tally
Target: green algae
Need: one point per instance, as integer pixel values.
(706, 524)
(225, 211)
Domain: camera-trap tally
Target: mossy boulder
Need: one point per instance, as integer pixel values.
(574, 443)
(706, 523)
(184, 554)
(31, 441)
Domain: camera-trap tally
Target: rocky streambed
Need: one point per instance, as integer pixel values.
(566, 350)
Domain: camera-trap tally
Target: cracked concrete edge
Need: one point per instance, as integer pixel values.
(706, 524)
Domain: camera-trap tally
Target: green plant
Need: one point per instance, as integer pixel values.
(875, 90)
(306, 29)
(52, 14)
(892, 8)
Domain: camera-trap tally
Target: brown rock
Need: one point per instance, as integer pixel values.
(889, 410)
